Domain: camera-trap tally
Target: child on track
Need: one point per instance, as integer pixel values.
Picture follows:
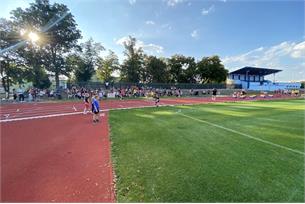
(86, 100)
(156, 98)
(95, 108)
(214, 93)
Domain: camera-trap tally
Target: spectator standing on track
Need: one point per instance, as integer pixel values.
(20, 94)
(86, 100)
(100, 94)
(214, 93)
(95, 108)
(30, 95)
(191, 92)
(14, 94)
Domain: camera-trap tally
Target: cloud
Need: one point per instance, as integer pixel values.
(173, 3)
(195, 34)
(148, 48)
(151, 48)
(288, 56)
(298, 50)
(150, 23)
(205, 11)
(131, 2)
(166, 26)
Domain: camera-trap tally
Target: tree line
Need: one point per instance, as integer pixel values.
(58, 52)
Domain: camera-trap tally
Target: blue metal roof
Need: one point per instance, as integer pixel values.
(255, 71)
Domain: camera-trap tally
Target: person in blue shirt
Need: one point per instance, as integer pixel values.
(95, 108)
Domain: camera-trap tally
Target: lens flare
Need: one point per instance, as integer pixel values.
(33, 37)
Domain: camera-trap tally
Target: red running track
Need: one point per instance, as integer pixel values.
(59, 159)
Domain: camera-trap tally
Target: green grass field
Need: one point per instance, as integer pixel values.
(226, 152)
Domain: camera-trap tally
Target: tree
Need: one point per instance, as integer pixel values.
(84, 60)
(132, 65)
(90, 56)
(175, 69)
(107, 66)
(190, 73)
(35, 70)
(156, 70)
(182, 69)
(77, 66)
(55, 42)
(11, 65)
(210, 70)
(43, 81)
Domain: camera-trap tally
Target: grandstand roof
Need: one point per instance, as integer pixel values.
(255, 71)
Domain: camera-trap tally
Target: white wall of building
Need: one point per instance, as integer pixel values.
(274, 86)
(257, 83)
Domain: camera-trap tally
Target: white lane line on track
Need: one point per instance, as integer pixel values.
(71, 113)
(30, 106)
(24, 114)
(31, 110)
(111, 108)
(243, 134)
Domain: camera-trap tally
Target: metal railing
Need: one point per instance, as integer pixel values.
(97, 85)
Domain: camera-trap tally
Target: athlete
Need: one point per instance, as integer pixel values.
(214, 93)
(156, 98)
(95, 108)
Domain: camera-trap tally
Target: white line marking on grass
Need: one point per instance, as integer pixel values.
(243, 134)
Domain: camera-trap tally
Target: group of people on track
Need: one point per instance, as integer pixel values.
(95, 106)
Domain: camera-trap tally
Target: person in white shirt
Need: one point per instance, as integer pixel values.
(20, 94)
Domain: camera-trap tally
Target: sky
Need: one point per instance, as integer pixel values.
(262, 33)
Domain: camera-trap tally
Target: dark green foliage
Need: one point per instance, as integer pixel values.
(83, 61)
(11, 64)
(107, 66)
(132, 65)
(43, 81)
(156, 70)
(210, 70)
(182, 69)
(57, 41)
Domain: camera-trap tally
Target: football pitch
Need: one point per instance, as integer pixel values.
(224, 152)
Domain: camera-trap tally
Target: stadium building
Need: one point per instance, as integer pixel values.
(253, 78)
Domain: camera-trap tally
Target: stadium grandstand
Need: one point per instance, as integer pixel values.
(253, 78)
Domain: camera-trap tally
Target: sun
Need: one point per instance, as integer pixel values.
(33, 37)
